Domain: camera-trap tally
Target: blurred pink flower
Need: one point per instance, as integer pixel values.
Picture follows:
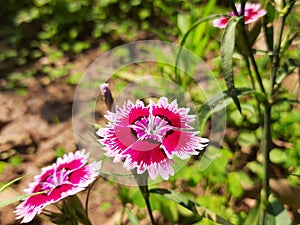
(147, 137)
(68, 176)
(252, 13)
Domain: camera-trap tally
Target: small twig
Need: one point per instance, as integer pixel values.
(88, 196)
(252, 60)
(254, 87)
(276, 58)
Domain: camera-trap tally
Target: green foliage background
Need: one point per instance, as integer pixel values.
(31, 29)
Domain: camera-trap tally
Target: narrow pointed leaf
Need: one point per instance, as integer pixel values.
(132, 218)
(287, 68)
(190, 205)
(227, 50)
(253, 216)
(197, 23)
(2, 188)
(188, 32)
(73, 205)
(16, 199)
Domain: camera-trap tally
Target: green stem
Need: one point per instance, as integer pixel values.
(146, 197)
(266, 147)
(142, 180)
(248, 45)
(276, 58)
(254, 88)
(88, 197)
(252, 60)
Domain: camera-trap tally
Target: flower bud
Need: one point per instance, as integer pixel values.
(107, 96)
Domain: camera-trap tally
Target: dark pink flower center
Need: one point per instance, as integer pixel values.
(55, 180)
(153, 128)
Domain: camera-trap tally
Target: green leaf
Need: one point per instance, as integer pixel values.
(2, 167)
(276, 213)
(185, 36)
(16, 160)
(253, 216)
(256, 168)
(137, 198)
(234, 184)
(197, 23)
(246, 138)
(59, 152)
(169, 211)
(215, 163)
(278, 156)
(73, 208)
(268, 25)
(105, 206)
(287, 68)
(2, 188)
(182, 22)
(74, 78)
(188, 204)
(227, 49)
(270, 219)
(124, 195)
(132, 218)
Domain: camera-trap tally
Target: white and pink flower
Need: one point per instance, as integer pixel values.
(147, 137)
(68, 176)
(251, 14)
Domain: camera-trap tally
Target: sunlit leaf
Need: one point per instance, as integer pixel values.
(276, 213)
(234, 184)
(169, 211)
(105, 206)
(227, 50)
(137, 198)
(256, 168)
(132, 218)
(15, 160)
(253, 216)
(278, 156)
(246, 138)
(185, 36)
(2, 166)
(2, 188)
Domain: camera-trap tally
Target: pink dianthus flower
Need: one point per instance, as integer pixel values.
(68, 176)
(147, 137)
(251, 14)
